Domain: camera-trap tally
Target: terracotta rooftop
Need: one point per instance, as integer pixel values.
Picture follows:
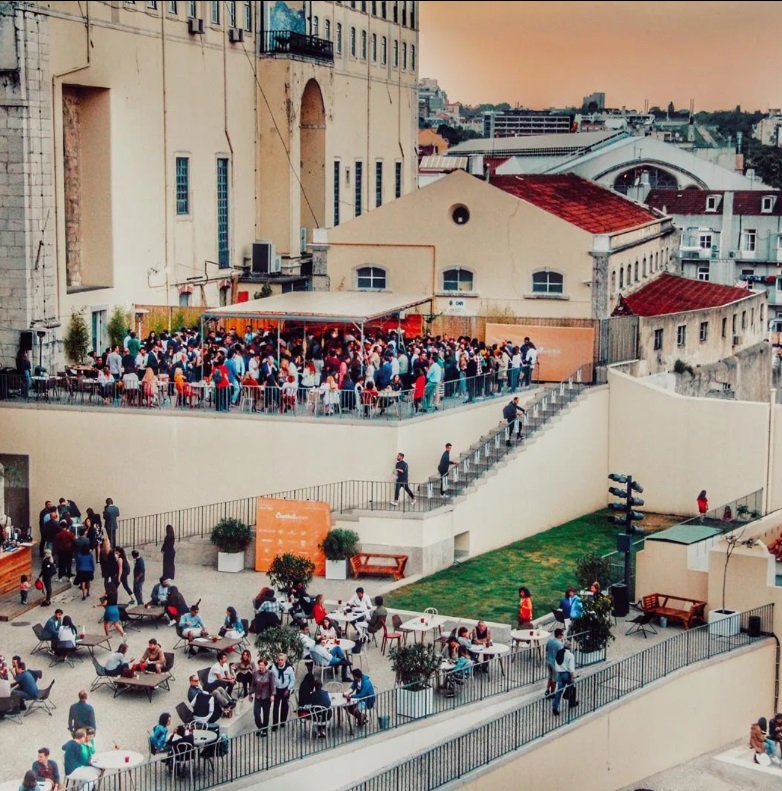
(693, 201)
(578, 201)
(673, 294)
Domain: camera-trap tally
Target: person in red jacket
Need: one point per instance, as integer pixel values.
(703, 505)
(418, 389)
(222, 384)
(63, 549)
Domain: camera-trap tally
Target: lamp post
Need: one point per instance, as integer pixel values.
(626, 506)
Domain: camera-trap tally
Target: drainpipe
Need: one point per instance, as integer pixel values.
(165, 160)
(769, 451)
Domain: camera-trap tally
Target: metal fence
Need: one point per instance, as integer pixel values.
(247, 754)
(486, 743)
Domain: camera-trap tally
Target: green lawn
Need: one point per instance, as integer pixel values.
(487, 586)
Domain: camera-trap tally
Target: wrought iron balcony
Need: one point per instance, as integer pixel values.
(286, 42)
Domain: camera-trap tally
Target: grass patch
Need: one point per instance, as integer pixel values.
(487, 586)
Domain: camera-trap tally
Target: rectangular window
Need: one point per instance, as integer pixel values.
(412, 15)
(395, 9)
(363, 45)
(358, 187)
(182, 186)
(191, 9)
(767, 204)
(384, 60)
(378, 183)
(172, 7)
(704, 333)
(363, 6)
(749, 240)
(395, 52)
(336, 191)
(703, 272)
(724, 328)
(223, 251)
(733, 324)
(327, 29)
(412, 57)
(315, 26)
(215, 12)
(248, 16)
(704, 241)
(374, 9)
(231, 13)
(404, 55)
(152, 5)
(404, 13)
(374, 48)
(383, 9)
(712, 202)
(752, 317)
(681, 335)
(397, 179)
(352, 42)
(658, 340)
(743, 319)
(339, 38)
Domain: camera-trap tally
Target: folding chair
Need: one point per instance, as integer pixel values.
(44, 643)
(102, 678)
(321, 719)
(642, 623)
(41, 702)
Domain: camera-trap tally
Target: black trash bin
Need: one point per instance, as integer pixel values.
(621, 598)
(753, 626)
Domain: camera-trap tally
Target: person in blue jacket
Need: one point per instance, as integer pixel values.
(361, 697)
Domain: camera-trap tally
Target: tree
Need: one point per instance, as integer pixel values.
(118, 326)
(671, 109)
(77, 337)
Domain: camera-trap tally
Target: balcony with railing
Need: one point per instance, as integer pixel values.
(288, 43)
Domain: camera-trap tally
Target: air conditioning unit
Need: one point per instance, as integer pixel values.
(732, 254)
(263, 260)
(303, 240)
(195, 27)
(276, 265)
(235, 35)
(736, 340)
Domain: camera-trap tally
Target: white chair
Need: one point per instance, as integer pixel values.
(321, 719)
(182, 757)
(318, 663)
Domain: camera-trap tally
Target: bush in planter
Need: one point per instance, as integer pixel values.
(593, 628)
(414, 665)
(340, 544)
(288, 569)
(592, 567)
(280, 640)
(231, 535)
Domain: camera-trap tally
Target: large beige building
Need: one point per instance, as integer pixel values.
(150, 144)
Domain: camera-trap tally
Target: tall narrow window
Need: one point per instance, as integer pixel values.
(231, 13)
(248, 16)
(374, 48)
(182, 186)
(315, 26)
(404, 55)
(395, 54)
(352, 42)
(395, 9)
(404, 13)
(379, 183)
(412, 15)
(363, 45)
(358, 187)
(339, 38)
(384, 58)
(191, 9)
(152, 5)
(397, 179)
(223, 253)
(383, 9)
(215, 12)
(172, 7)
(412, 57)
(327, 29)
(336, 191)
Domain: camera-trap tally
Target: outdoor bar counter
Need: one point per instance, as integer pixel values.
(12, 565)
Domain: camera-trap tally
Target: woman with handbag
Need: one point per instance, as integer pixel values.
(48, 570)
(566, 673)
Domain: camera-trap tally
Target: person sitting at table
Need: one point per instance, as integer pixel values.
(451, 647)
(361, 697)
(117, 661)
(595, 589)
(360, 603)
(29, 781)
(319, 697)
(481, 634)
(244, 670)
(463, 637)
(319, 609)
(378, 617)
(106, 385)
(67, 634)
(81, 714)
(576, 607)
(208, 707)
(306, 641)
(160, 591)
(192, 625)
(565, 604)
(289, 392)
(149, 387)
(302, 604)
(330, 658)
(159, 738)
(232, 627)
(306, 690)
(459, 673)
(52, 627)
(46, 769)
(179, 738)
(26, 688)
(153, 658)
(327, 630)
(220, 675)
(267, 610)
(76, 752)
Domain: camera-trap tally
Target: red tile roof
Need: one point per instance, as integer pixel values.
(577, 201)
(673, 294)
(693, 201)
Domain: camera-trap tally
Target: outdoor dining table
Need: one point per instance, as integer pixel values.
(486, 652)
(92, 641)
(346, 617)
(203, 737)
(339, 703)
(345, 645)
(221, 644)
(424, 623)
(534, 638)
(142, 612)
(118, 761)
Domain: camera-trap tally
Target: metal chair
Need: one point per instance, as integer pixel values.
(185, 713)
(321, 719)
(170, 659)
(102, 678)
(320, 664)
(41, 702)
(62, 653)
(642, 623)
(10, 709)
(389, 637)
(44, 643)
(396, 622)
(183, 756)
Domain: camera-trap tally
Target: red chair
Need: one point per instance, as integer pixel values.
(389, 637)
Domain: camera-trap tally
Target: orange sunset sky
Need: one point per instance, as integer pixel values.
(542, 54)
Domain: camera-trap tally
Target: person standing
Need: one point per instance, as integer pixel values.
(402, 480)
(530, 361)
(110, 517)
(262, 691)
(284, 681)
(48, 570)
(566, 672)
(525, 608)
(703, 505)
(139, 576)
(169, 553)
(444, 467)
(81, 714)
(553, 646)
(511, 412)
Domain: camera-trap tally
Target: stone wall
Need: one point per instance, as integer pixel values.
(27, 264)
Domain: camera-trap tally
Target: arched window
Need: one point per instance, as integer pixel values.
(636, 271)
(457, 279)
(613, 281)
(621, 278)
(644, 269)
(184, 299)
(629, 275)
(370, 278)
(656, 261)
(547, 282)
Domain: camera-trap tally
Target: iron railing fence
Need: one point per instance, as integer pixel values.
(247, 754)
(288, 42)
(486, 743)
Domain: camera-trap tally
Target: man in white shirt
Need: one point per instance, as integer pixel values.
(530, 360)
(565, 668)
(306, 640)
(220, 675)
(360, 603)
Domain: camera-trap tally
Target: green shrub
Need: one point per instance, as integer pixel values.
(118, 326)
(593, 628)
(415, 664)
(592, 567)
(280, 640)
(231, 535)
(340, 544)
(288, 569)
(77, 338)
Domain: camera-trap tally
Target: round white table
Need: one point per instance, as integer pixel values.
(534, 638)
(117, 759)
(483, 653)
(340, 702)
(345, 645)
(423, 624)
(203, 737)
(87, 774)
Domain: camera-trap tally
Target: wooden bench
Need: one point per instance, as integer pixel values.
(678, 608)
(373, 563)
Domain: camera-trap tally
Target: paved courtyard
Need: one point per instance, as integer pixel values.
(124, 721)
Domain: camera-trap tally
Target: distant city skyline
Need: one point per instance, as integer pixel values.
(552, 54)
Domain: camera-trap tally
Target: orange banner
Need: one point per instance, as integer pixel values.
(561, 350)
(296, 526)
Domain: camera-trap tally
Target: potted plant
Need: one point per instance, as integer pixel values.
(725, 622)
(339, 546)
(414, 666)
(231, 537)
(288, 569)
(280, 640)
(742, 511)
(592, 631)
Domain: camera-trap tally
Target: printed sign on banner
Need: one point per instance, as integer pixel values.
(296, 526)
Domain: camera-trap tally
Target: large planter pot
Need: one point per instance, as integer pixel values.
(724, 623)
(590, 658)
(415, 704)
(230, 561)
(336, 569)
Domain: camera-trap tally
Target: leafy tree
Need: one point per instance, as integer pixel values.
(671, 109)
(77, 337)
(118, 326)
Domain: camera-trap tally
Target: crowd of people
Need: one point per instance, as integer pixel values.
(346, 370)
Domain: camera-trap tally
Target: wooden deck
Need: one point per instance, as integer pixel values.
(10, 606)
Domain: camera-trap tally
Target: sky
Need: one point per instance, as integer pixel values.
(544, 54)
